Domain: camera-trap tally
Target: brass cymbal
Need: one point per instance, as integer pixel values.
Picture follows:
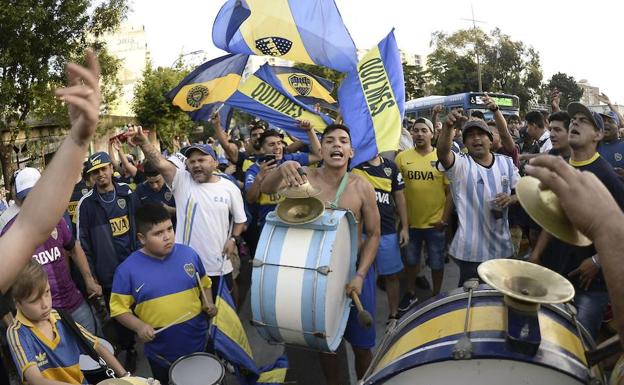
(544, 208)
(526, 281)
(300, 210)
(124, 381)
(305, 190)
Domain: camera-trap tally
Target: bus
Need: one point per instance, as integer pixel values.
(468, 101)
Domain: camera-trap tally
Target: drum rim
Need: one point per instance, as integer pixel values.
(203, 354)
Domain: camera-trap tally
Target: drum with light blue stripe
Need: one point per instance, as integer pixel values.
(299, 278)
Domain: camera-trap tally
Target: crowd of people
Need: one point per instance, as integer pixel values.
(143, 246)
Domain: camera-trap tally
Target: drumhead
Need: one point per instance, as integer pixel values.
(124, 381)
(196, 369)
(86, 363)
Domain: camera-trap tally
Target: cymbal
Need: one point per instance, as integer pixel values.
(299, 211)
(544, 208)
(305, 190)
(124, 381)
(526, 281)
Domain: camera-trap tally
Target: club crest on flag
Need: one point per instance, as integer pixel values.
(197, 95)
(189, 268)
(273, 45)
(301, 84)
(387, 171)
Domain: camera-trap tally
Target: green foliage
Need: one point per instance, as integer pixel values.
(154, 110)
(415, 79)
(569, 90)
(506, 65)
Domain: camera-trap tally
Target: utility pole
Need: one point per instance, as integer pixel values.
(474, 29)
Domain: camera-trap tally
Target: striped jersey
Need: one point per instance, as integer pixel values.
(481, 235)
(57, 359)
(160, 292)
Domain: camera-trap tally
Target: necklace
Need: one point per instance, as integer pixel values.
(110, 201)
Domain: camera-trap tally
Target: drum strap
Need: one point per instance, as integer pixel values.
(340, 191)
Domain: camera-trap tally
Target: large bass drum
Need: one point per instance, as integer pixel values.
(420, 348)
(299, 278)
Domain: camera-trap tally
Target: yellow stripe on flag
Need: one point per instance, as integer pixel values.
(263, 93)
(273, 376)
(380, 100)
(194, 96)
(268, 18)
(228, 323)
(316, 89)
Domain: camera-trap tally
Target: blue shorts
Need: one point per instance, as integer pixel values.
(388, 259)
(434, 240)
(357, 335)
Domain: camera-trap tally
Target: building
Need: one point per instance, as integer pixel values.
(129, 45)
(410, 59)
(591, 94)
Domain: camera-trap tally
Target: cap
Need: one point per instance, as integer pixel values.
(426, 122)
(178, 160)
(205, 148)
(480, 124)
(612, 115)
(575, 107)
(97, 160)
(25, 180)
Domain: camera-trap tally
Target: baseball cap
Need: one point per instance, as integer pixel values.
(26, 180)
(576, 107)
(426, 122)
(97, 160)
(612, 115)
(178, 160)
(205, 148)
(480, 124)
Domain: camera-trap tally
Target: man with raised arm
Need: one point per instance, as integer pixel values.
(359, 197)
(51, 193)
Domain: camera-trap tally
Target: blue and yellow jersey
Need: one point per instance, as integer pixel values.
(57, 359)
(161, 291)
(267, 202)
(80, 189)
(386, 180)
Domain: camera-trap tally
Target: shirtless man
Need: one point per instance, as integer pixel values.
(359, 198)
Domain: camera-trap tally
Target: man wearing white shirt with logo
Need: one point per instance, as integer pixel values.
(482, 185)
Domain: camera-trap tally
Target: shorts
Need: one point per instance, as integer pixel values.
(359, 336)
(434, 240)
(388, 259)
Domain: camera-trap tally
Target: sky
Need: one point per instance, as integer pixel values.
(581, 39)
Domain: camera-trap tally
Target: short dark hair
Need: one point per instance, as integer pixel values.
(535, 117)
(149, 169)
(477, 114)
(268, 134)
(31, 280)
(560, 116)
(514, 117)
(149, 215)
(256, 126)
(333, 127)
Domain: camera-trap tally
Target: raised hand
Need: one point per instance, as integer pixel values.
(83, 98)
(138, 137)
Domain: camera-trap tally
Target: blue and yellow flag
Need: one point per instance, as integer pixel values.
(306, 87)
(231, 343)
(209, 85)
(263, 96)
(307, 31)
(372, 101)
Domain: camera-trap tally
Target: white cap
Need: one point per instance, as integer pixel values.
(25, 180)
(178, 160)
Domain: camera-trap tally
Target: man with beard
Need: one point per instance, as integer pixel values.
(611, 148)
(205, 202)
(107, 233)
(483, 185)
(359, 197)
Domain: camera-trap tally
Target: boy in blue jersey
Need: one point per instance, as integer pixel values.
(44, 349)
(156, 287)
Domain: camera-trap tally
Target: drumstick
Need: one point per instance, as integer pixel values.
(364, 317)
(201, 290)
(177, 320)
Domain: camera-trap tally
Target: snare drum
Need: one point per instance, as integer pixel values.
(420, 347)
(125, 381)
(299, 278)
(197, 369)
(92, 370)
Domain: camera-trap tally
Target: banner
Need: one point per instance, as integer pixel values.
(307, 31)
(306, 87)
(372, 101)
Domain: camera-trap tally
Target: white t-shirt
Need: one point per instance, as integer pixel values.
(8, 214)
(544, 142)
(203, 217)
(480, 236)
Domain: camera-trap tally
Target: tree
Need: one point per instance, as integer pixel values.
(415, 81)
(507, 66)
(568, 88)
(38, 39)
(154, 110)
